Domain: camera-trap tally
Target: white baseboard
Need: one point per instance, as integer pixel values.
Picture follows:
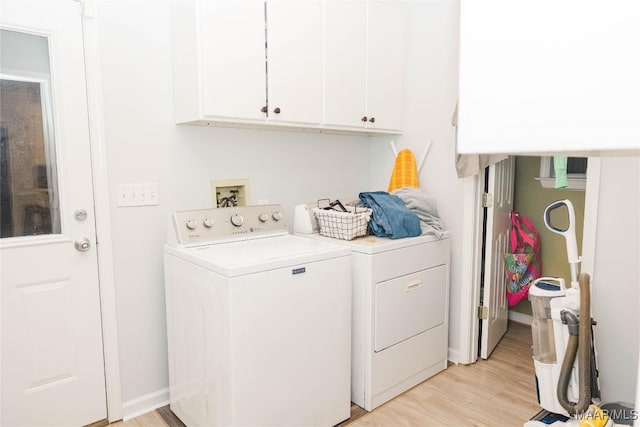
(527, 319)
(146, 403)
(452, 355)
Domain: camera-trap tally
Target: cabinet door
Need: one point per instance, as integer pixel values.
(294, 61)
(345, 62)
(233, 59)
(385, 68)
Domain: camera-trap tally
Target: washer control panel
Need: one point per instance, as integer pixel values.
(228, 224)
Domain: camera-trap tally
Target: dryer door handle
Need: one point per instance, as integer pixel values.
(414, 285)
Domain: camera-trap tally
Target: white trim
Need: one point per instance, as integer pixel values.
(471, 265)
(453, 355)
(146, 403)
(103, 223)
(525, 319)
(590, 227)
(572, 183)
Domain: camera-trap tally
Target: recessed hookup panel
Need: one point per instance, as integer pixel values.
(230, 192)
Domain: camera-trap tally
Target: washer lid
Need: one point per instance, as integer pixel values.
(256, 255)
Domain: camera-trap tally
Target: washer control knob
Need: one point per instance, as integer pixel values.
(192, 224)
(277, 216)
(263, 217)
(237, 220)
(208, 222)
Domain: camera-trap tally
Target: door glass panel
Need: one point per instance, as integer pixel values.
(29, 199)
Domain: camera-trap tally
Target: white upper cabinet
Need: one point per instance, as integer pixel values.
(345, 63)
(294, 61)
(385, 65)
(549, 76)
(236, 62)
(219, 60)
(324, 65)
(364, 65)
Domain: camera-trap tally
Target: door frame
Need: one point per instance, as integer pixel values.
(102, 210)
(472, 250)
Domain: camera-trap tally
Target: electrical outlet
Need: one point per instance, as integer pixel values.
(230, 192)
(137, 194)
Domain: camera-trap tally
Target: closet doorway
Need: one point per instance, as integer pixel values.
(530, 197)
(533, 193)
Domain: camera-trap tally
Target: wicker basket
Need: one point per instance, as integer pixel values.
(343, 225)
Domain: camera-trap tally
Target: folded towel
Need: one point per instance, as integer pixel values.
(425, 207)
(405, 173)
(560, 168)
(390, 217)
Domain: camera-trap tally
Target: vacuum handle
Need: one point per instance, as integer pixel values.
(569, 234)
(572, 217)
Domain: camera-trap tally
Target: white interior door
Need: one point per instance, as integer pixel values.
(494, 298)
(51, 344)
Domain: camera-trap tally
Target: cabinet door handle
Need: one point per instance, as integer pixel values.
(276, 110)
(413, 285)
(264, 109)
(364, 119)
(372, 119)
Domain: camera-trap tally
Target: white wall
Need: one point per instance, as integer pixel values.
(615, 284)
(284, 167)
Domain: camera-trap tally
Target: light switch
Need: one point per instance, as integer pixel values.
(137, 194)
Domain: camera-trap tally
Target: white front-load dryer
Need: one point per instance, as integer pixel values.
(400, 311)
(259, 321)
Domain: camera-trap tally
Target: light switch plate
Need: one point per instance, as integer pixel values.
(137, 194)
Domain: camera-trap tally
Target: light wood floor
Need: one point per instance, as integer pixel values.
(496, 392)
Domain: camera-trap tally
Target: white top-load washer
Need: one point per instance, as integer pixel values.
(258, 320)
(400, 310)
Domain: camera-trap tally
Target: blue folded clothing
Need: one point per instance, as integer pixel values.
(390, 217)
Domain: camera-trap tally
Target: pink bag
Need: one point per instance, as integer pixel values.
(523, 264)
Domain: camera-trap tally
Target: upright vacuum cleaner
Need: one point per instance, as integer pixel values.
(562, 329)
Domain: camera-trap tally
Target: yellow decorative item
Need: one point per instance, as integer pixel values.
(405, 173)
(594, 417)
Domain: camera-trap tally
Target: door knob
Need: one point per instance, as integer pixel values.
(364, 119)
(372, 119)
(276, 110)
(264, 109)
(82, 245)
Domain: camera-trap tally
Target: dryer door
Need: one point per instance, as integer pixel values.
(408, 305)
